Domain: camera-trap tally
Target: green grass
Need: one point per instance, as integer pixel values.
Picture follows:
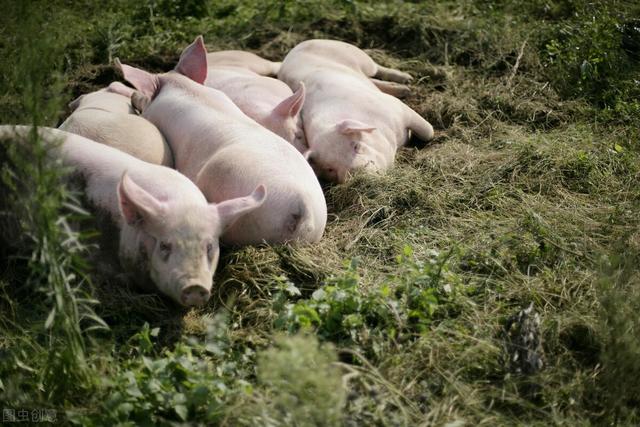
(400, 315)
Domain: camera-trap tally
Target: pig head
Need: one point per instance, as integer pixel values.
(338, 149)
(176, 244)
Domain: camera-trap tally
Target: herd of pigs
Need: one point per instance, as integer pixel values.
(223, 151)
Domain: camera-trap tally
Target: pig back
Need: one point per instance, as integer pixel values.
(317, 54)
(101, 167)
(129, 133)
(247, 60)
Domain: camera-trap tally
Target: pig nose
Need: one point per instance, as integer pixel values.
(194, 295)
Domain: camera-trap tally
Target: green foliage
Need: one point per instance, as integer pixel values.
(50, 252)
(619, 296)
(587, 58)
(298, 384)
(193, 382)
(404, 304)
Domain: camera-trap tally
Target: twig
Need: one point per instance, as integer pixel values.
(446, 54)
(517, 64)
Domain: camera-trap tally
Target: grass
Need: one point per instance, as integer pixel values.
(403, 313)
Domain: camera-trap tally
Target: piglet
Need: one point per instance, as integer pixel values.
(106, 116)
(350, 122)
(266, 100)
(226, 153)
(168, 233)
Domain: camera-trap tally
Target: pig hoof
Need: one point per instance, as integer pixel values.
(194, 295)
(405, 78)
(401, 91)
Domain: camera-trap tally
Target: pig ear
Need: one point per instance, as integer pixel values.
(120, 89)
(145, 82)
(291, 106)
(193, 61)
(230, 210)
(137, 206)
(75, 103)
(349, 127)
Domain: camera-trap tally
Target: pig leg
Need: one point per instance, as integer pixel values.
(392, 75)
(417, 124)
(140, 101)
(392, 88)
(274, 68)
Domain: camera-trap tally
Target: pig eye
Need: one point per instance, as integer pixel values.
(165, 250)
(210, 251)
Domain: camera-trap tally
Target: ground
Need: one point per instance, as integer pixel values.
(491, 277)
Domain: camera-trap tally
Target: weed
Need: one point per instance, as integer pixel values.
(48, 250)
(298, 383)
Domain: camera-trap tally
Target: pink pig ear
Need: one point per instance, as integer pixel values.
(291, 106)
(137, 206)
(120, 89)
(230, 210)
(350, 127)
(145, 82)
(193, 61)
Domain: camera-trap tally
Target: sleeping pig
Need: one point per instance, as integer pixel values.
(106, 116)
(266, 100)
(350, 122)
(168, 233)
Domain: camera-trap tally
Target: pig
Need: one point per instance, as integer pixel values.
(266, 100)
(225, 152)
(106, 116)
(168, 232)
(350, 122)
(247, 60)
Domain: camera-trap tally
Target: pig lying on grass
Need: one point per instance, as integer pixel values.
(227, 154)
(349, 122)
(247, 60)
(266, 100)
(168, 232)
(108, 117)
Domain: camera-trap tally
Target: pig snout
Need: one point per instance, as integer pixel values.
(194, 295)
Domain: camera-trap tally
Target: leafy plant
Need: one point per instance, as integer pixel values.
(193, 382)
(587, 58)
(46, 245)
(404, 304)
(298, 383)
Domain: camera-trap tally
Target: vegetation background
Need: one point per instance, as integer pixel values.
(490, 278)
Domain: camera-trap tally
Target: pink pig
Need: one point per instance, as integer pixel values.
(349, 122)
(168, 231)
(268, 101)
(106, 116)
(225, 152)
